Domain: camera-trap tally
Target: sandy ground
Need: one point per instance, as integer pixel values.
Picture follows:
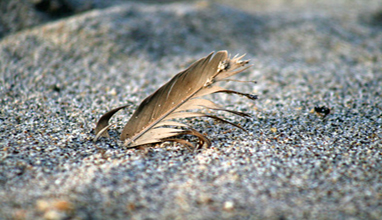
(61, 72)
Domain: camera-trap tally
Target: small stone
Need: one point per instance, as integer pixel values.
(42, 205)
(229, 206)
(62, 205)
(53, 215)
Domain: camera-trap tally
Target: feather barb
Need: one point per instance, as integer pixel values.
(152, 121)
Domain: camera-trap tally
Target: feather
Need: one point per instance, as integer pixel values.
(153, 120)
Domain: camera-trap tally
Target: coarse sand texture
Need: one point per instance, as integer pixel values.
(314, 144)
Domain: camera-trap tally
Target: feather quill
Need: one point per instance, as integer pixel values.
(152, 121)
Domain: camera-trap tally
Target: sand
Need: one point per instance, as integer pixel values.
(59, 74)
